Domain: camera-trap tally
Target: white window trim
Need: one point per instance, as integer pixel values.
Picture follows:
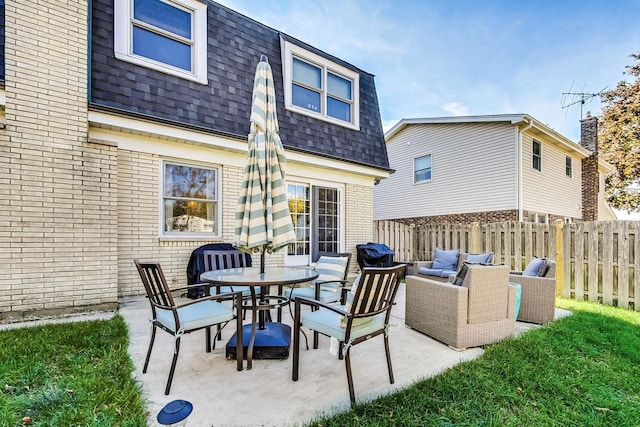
(289, 50)
(184, 236)
(413, 175)
(123, 10)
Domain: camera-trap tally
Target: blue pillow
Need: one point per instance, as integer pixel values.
(480, 258)
(445, 260)
(534, 267)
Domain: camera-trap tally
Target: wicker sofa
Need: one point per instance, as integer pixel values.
(538, 300)
(480, 311)
(443, 276)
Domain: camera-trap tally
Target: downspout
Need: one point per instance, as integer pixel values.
(519, 168)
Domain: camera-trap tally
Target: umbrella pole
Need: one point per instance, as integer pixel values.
(262, 261)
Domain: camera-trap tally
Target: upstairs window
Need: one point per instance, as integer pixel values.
(169, 36)
(537, 155)
(568, 167)
(317, 87)
(422, 169)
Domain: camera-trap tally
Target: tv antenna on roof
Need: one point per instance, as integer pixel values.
(579, 98)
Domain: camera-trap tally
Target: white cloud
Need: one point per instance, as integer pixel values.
(456, 109)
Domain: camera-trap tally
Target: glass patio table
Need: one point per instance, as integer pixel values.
(270, 340)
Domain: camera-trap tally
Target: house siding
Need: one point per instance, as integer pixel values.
(472, 171)
(59, 191)
(550, 191)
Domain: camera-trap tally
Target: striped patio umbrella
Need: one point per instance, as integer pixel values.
(263, 220)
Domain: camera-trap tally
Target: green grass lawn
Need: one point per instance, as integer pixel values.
(583, 370)
(72, 374)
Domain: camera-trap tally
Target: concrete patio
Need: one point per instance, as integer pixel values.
(266, 395)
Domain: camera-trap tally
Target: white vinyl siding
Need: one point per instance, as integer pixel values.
(550, 190)
(472, 171)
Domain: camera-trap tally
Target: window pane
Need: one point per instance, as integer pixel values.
(338, 86)
(422, 169)
(338, 109)
(307, 74)
(161, 49)
(305, 98)
(189, 182)
(189, 216)
(164, 16)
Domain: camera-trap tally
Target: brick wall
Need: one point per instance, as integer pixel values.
(359, 219)
(464, 218)
(590, 177)
(58, 237)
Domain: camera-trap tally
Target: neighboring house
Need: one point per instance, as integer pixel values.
(135, 146)
(490, 168)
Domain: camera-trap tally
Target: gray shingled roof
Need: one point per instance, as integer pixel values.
(223, 106)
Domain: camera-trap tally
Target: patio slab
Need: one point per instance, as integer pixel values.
(266, 395)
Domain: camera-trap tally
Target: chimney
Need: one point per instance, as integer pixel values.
(590, 176)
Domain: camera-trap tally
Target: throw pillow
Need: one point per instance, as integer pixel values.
(480, 258)
(535, 266)
(445, 260)
(461, 274)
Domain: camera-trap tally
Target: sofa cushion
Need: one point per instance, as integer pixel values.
(537, 267)
(480, 258)
(460, 276)
(445, 260)
(435, 272)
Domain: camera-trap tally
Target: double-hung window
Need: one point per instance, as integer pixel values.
(536, 155)
(320, 88)
(189, 201)
(166, 35)
(568, 168)
(422, 169)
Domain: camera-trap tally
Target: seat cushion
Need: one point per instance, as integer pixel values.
(435, 272)
(244, 289)
(445, 260)
(328, 323)
(325, 296)
(197, 315)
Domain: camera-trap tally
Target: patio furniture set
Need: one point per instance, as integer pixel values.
(474, 305)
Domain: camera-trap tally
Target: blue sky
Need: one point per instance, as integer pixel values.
(453, 57)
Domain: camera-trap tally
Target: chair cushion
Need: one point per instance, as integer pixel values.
(435, 272)
(330, 323)
(348, 305)
(461, 275)
(330, 268)
(325, 296)
(194, 316)
(537, 267)
(244, 289)
(445, 260)
(480, 258)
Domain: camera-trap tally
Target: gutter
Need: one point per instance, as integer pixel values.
(519, 152)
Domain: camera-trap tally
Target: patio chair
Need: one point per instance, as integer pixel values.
(538, 300)
(333, 270)
(365, 316)
(478, 310)
(182, 319)
(221, 260)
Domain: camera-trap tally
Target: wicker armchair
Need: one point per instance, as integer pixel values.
(480, 311)
(538, 300)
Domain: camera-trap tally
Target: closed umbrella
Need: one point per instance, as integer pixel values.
(263, 220)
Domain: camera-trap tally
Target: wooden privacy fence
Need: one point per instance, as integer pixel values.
(597, 260)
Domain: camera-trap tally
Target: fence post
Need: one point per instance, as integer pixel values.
(475, 237)
(559, 263)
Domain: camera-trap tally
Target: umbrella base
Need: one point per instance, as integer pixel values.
(272, 342)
